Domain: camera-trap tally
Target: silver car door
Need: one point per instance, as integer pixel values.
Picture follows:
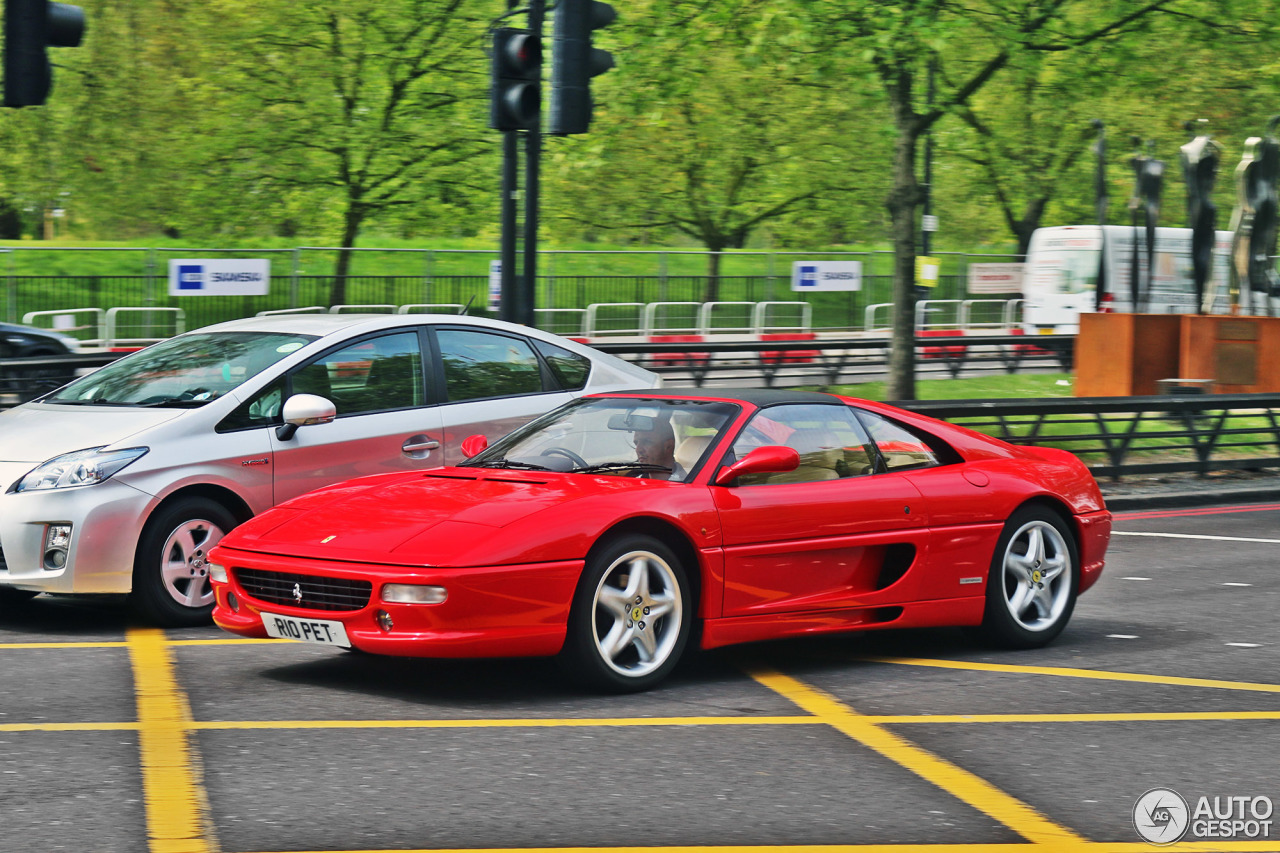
(386, 420)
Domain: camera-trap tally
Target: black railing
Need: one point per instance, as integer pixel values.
(1121, 436)
(841, 362)
(1116, 436)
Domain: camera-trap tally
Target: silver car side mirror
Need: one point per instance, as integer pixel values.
(304, 410)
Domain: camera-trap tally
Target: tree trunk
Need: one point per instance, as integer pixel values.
(712, 293)
(902, 203)
(350, 231)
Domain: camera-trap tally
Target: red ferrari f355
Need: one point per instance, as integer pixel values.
(615, 528)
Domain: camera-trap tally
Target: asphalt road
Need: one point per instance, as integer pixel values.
(117, 737)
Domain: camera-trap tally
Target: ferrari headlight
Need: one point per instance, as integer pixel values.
(81, 468)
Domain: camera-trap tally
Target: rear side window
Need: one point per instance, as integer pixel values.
(899, 447)
(481, 364)
(570, 369)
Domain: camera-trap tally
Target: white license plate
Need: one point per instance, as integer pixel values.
(322, 631)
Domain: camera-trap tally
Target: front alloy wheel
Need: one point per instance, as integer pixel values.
(630, 619)
(171, 574)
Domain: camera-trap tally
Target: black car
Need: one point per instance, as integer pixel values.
(38, 347)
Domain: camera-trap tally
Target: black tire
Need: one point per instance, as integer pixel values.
(616, 641)
(170, 573)
(13, 597)
(1034, 580)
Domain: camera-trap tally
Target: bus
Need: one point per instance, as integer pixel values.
(1074, 269)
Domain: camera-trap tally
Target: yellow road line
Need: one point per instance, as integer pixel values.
(177, 813)
(1062, 672)
(658, 722)
(109, 644)
(243, 641)
(526, 723)
(959, 783)
(1065, 847)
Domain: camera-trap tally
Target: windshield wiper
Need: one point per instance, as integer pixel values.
(617, 466)
(507, 463)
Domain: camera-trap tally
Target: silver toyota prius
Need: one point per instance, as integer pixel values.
(121, 481)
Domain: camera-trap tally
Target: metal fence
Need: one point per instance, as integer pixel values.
(38, 279)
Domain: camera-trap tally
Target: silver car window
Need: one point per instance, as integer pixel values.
(480, 364)
(372, 375)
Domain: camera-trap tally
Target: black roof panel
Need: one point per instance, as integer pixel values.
(760, 397)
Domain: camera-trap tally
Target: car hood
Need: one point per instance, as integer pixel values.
(451, 516)
(37, 431)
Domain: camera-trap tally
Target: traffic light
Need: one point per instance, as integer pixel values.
(515, 95)
(30, 27)
(574, 62)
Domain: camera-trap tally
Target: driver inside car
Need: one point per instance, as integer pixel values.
(657, 447)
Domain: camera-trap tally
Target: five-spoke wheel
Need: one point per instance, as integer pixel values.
(631, 615)
(1034, 577)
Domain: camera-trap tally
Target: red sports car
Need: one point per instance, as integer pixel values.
(607, 530)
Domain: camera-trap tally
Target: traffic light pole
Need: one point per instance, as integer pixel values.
(507, 210)
(532, 177)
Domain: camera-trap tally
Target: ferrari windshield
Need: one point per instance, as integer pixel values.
(186, 371)
(664, 439)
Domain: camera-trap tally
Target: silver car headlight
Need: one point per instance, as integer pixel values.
(81, 468)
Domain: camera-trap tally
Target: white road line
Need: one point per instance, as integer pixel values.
(1196, 536)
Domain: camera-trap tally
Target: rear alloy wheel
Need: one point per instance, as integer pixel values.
(631, 616)
(170, 573)
(1035, 573)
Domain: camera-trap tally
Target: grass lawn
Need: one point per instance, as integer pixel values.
(1014, 385)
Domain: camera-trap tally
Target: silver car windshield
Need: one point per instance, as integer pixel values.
(660, 438)
(185, 372)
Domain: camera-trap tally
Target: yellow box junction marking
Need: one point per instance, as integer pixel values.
(176, 808)
(1066, 672)
(961, 784)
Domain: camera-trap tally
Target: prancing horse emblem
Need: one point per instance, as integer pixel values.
(297, 593)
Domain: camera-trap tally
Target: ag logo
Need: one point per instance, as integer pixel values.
(1161, 816)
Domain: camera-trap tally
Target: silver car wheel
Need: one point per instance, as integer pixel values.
(637, 614)
(184, 567)
(1036, 576)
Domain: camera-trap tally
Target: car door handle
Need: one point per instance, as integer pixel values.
(411, 446)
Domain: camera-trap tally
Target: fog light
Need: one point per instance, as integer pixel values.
(233, 602)
(412, 593)
(384, 620)
(57, 541)
(217, 574)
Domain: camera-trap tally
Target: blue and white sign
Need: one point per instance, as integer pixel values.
(219, 277)
(495, 285)
(826, 275)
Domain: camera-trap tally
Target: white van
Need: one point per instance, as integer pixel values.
(1072, 269)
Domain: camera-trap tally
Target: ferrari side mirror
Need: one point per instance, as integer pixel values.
(771, 459)
(474, 445)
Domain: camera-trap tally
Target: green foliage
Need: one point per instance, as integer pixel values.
(761, 124)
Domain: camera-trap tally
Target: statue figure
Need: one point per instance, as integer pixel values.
(1254, 223)
(1200, 159)
(1149, 174)
(1262, 196)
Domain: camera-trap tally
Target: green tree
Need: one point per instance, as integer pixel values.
(712, 128)
(968, 45)
(364, 106)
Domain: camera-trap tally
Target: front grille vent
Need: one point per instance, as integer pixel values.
(317, 593)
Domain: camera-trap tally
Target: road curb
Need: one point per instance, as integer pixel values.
(1184, 499)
